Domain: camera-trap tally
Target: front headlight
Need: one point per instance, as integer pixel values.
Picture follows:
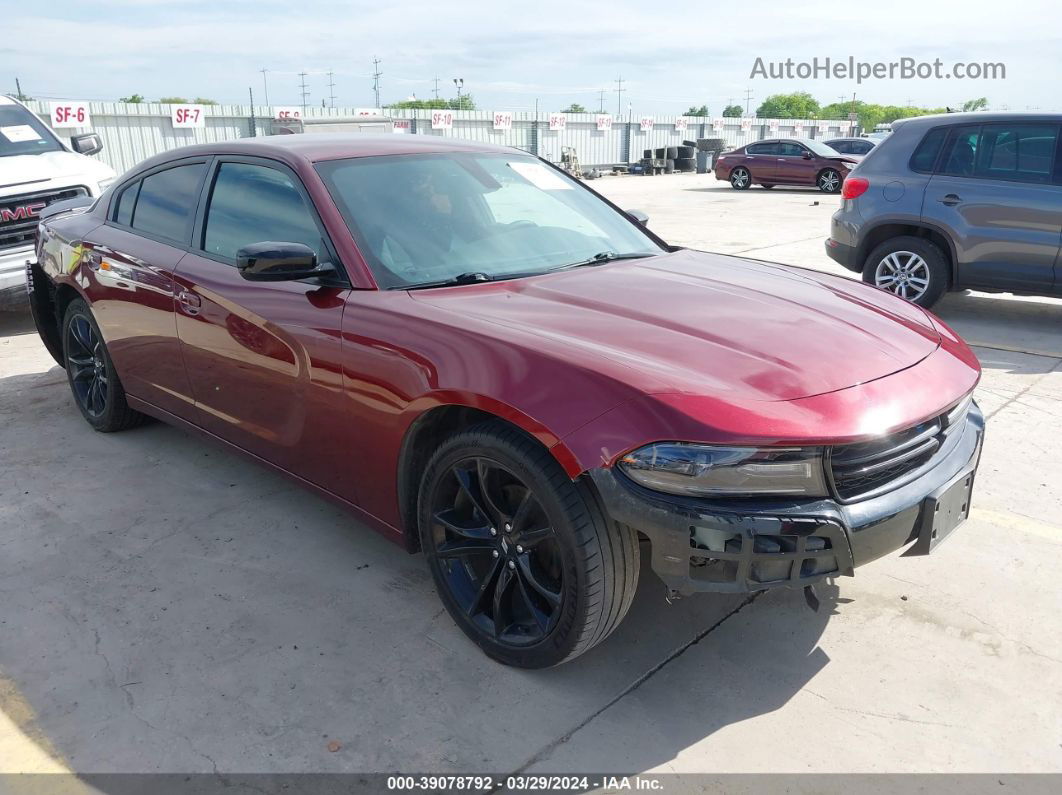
(702, 470)
(105, 183)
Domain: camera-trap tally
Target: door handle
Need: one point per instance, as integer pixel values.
(189, 301)
(951, 200)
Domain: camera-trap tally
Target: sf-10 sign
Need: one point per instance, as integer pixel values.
(187, 116)
(442, 120)
(70, 114)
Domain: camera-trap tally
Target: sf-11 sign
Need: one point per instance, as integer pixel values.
(503, 120)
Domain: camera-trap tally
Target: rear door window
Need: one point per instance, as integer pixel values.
(787, 149)
(1020, 152)
(761, 149)
(925, 156)
(960, 154)
(167, 202)
(123, 210)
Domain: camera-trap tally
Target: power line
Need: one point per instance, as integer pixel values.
(748, 98)
(331, 88)
(619, 96)
(376, 79)
(436, 89)
(305, 92)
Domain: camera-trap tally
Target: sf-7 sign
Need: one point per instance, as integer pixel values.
(187, 116)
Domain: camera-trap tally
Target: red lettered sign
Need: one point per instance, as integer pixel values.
(70, 114)
(503, 120)
(442, 119)
(187, 116)
(286, 113)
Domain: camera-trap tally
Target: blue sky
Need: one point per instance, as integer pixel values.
(671, 55)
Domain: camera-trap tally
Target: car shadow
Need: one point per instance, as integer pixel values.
(175, 607)
(1023, 325)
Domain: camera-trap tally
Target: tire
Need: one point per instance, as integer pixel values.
(647, 153)
(917, 259)
(90, 372)
(829, 180)
(672, 153)
(586, 564)
(686, 152)
(766, 187)
(686, 164)
(669, 167)
(740, 178)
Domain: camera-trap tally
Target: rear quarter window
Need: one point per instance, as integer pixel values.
(167, 202)
(925, 155)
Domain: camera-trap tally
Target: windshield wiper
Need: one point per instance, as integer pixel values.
(462, 278)
(601, 258)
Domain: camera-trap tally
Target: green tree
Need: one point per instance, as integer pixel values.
(981, 103)
(695, 111)
(132, 99)
(173, 100)
(732, 111)
(204, 101)
(575, 107)
(798, 105)
(464, 103)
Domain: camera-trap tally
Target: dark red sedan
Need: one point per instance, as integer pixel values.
(483, 359)
(785, 162)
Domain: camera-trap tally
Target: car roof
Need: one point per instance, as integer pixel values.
(315, 147)
(847, 138)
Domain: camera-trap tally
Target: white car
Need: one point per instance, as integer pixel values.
(37, 169)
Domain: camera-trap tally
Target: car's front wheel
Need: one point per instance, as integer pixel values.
(829, 180)
(521, 556)
(740, 178)
(910, 267)
(95, 385)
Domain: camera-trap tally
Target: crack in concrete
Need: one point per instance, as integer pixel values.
(641, 680)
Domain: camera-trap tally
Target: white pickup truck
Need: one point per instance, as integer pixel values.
(37, 169)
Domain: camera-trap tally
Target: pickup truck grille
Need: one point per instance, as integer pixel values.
(864, 470)
(18, 214)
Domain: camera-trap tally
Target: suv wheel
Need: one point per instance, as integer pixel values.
(829, 181)
(740, 178)
(521, 556)
(910, 267)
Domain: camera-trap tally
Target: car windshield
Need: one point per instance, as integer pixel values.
(22, 133)
(426, 219)
(819, 148)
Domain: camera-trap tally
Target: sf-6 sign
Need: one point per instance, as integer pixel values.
(187, 116)
(70, 114)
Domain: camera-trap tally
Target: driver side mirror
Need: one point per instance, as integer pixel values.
(807, 155)
(279, 262)
(639, 217)
(87, 144)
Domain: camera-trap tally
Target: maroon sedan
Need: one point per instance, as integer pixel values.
(484, 360)
(785, 162)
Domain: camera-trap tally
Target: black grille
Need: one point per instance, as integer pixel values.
(18, 214)
(869, 468)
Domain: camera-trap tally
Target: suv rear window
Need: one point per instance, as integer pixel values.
(167, 201)
(925, 156)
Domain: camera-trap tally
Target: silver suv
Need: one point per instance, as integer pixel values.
(966, 200)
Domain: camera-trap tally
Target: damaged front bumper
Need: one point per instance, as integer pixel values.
(745, 545)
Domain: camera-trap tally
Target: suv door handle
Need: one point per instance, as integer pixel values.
(951, 200)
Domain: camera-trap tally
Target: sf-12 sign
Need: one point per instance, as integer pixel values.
(442, 119)
(503, 120)
(681, 124)
(286, 113)
(717, 124)
(823, 127)
(604, 123)
(746, 125)
(557, 121)
(646, 123)
(70, 114)
(187, 116)
(772, 125)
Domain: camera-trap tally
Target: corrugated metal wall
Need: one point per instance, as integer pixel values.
(131, 133)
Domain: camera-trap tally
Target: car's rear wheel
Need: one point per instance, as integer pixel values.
(910, 267)
(829, 180)
(522, 557)
(93, 381)
(740, 178)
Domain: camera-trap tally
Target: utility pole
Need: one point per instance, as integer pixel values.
(376, 74)
(265, 85)
(601, 102)
(331, 89)
(254, 125)
(305, 92)
(619, 96)
(748, 99)
(18, 91)
(436, 89)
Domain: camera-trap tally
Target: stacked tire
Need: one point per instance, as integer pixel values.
(685, 158)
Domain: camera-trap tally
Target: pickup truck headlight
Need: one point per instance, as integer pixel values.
(703, 470)
(105, 183)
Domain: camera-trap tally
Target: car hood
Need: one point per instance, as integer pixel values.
(22, 173)
(704, 324)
